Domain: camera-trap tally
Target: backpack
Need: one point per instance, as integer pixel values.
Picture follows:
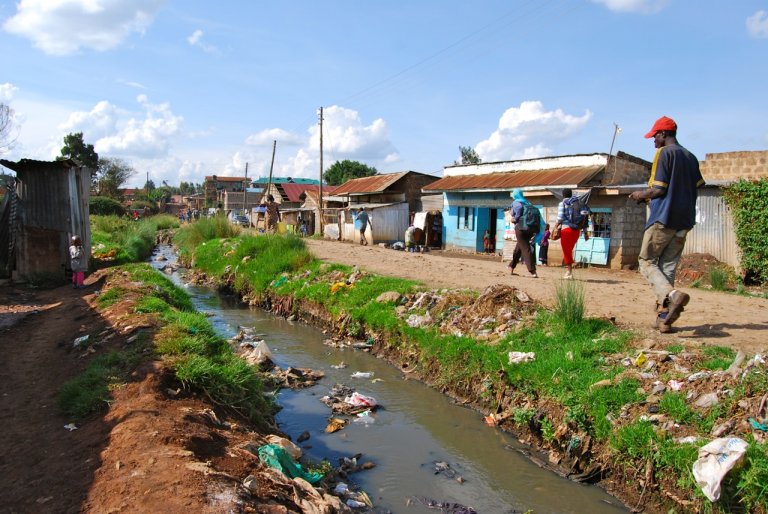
(530, 220)
(576, 213)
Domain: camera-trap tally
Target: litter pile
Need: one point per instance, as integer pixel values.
(489, 317)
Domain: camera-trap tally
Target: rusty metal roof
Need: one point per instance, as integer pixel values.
(510, 180)
(293, 191)
(368, 185)
(33, 165)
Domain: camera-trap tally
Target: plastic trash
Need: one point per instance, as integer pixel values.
(640, 359)
(276, 457)
(340, 365)
(355, 504)
(80, 340)
(675, 385)
(341, 489)
(287, 445)
(70, 427)
(362, 374)
(757, 425)
(715, 460)
(360, 400)
(520, 357)
(697, 376)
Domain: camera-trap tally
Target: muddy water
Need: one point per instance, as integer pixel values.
(415, 428)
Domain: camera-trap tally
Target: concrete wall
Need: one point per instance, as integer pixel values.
(735, 165)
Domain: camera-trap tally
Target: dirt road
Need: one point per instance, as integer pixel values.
(711, 317)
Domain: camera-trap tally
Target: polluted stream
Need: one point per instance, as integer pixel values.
(428, 451)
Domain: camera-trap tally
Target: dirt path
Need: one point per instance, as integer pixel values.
(711, 317)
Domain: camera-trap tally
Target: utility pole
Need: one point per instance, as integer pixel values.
(245, 188)
(272, 164)
(321, 171)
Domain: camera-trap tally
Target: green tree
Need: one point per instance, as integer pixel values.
(111, 174)
(75, 148)
(468, 156)
(341, 171)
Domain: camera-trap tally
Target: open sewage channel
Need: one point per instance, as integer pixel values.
(428, 451)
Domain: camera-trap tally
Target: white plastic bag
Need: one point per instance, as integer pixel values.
(520, 357)
(716, 459)
(359, 400)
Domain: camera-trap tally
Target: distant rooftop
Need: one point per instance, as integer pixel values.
(287, 180)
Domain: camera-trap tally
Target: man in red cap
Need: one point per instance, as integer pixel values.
(675, 177)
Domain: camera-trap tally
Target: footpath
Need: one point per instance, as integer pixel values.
(712, 317)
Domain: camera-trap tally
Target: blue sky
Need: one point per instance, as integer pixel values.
(184, 89)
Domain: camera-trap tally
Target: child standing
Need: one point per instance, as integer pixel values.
(544, 246)
(76, 262)
(488, 242)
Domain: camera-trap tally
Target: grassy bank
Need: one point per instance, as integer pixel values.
(182, 338)
(587, 396)
(119, 240)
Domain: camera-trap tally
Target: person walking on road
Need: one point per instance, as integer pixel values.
(572, 216)
(527, 220)
(672, 192)
(363, 221)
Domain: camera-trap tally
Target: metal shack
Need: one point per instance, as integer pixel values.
(46, 206)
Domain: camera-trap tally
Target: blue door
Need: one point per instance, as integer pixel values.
(595, 251)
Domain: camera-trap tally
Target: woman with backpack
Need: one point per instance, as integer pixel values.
(527, 220)
(572, 216)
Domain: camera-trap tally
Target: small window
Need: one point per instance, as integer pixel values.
(466, 218)
(601, 224)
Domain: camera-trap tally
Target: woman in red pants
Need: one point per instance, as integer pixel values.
(573, 216)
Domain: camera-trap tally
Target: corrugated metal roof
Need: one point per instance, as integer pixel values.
(293, 191)
(367, 185)
(33, 165)
(209, 178)
(510, 180)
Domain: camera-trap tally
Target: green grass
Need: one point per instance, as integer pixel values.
(718, 357)
(570, 304)
(718, 278)
(91, 391)
(132, 241)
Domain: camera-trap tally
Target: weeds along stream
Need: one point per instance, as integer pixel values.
(424, 446)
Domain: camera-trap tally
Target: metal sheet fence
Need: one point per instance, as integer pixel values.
(714, 232)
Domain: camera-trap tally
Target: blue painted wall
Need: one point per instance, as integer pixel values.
(481, 203)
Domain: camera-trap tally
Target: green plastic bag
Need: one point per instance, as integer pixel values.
(276, 457)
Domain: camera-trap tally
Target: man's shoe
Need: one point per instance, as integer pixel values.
(677, 302)
(568, 275)
(533, 275)
(661, 324)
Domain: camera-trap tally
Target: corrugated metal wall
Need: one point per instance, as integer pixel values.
(713, 233)
(388, 222)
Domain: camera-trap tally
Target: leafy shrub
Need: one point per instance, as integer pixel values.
(718, 278)
(748, 202)
(139, 205)
(105, 206)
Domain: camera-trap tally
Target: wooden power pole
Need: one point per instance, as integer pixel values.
(321, 171)
(272, 164)
(245, 188)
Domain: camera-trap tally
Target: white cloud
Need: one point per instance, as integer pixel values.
(196, 39)
(130, 83)
(638, 6)
(757, 24)
(7, 91)
(268, 136)
(149, 136)
(528, 132)
(100, 121)
(65, 27)
(345, 136)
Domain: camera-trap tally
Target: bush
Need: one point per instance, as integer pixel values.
(105, 206)
(748, 202)
(140, 205)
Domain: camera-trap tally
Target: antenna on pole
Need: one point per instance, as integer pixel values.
(616, 131)
(321, 170)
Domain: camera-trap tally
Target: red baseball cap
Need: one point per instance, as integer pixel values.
(662, 123)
